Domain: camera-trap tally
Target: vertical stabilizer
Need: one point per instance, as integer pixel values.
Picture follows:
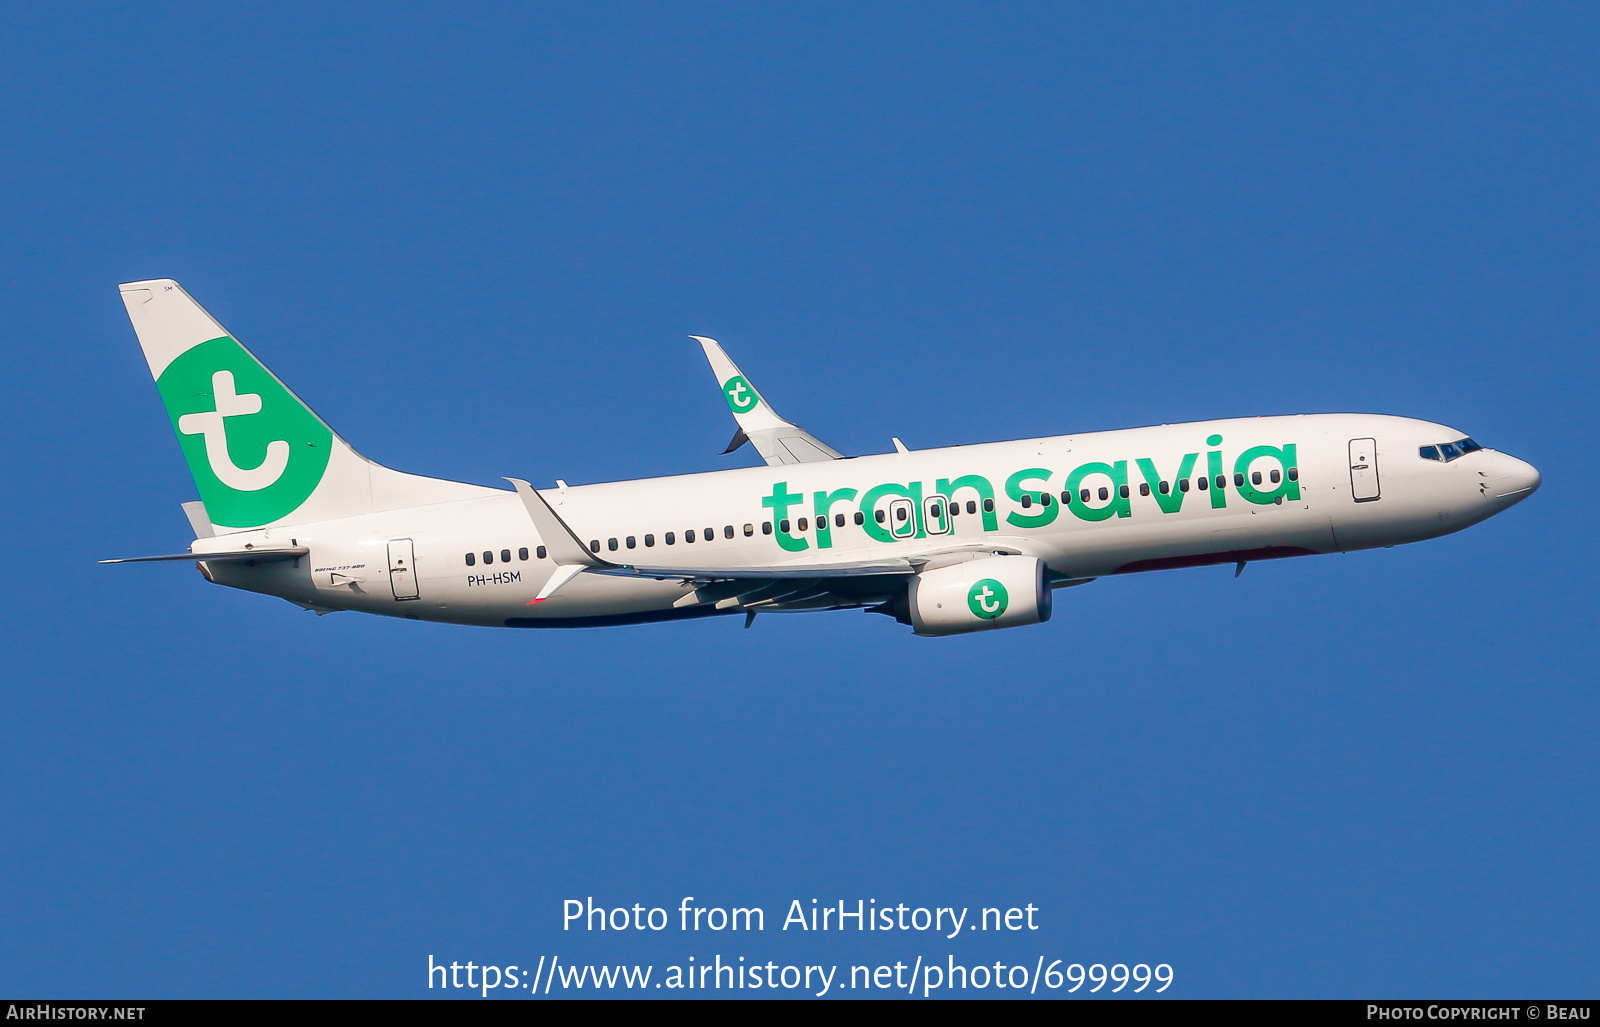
(259, 456)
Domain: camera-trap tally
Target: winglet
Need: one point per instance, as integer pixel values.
(747, 405)
(777, 440)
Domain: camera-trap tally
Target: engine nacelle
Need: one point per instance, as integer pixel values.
(994, 592)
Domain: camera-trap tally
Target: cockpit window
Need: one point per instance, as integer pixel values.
(1448, 451)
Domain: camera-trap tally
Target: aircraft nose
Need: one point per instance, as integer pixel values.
(1514, 479)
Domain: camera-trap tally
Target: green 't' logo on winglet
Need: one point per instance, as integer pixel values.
(741, 397)
(987, 598)
(255, 451)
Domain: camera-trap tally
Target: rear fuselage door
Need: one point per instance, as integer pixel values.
(1364, 470)
(403, 569)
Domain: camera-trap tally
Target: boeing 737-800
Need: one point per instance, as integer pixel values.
(948, 540)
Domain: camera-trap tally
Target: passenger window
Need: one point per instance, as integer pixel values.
(1276, 477)
(1044, 499)
(632, 542)
(522, 554)
(861, 518)
(1144, 488)
(766, 527)
(670, 538)
(900, 514)
(1183, 485)
(1027, 501)
(611, 544)
(710, 534)
(688, 536)
(1202, 483)
(1083, 494)
(972, 507)
(539, 552)
(1238, 480)
(471, 559)
(1105, 493)
(877, 515)
(988, 506)
(594, 545)
(783, 526)
(488, 557)
(1066, 498)
(938, 509)
(727, 531)
(1222, 481)
(749, 529)
(802, 524)
(1123, 491)
(1294, 474)
(1165, 488)
(838, 520)
(505, 556)
(649, 541)
(1255, 477)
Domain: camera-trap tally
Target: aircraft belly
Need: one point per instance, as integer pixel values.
(1185, 538)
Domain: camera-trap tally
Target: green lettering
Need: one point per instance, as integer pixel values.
(1014, 489)
(1286, 459)
(869, 504)
(1172, 502)
(821, 501)
(779, 502)
(1219, 494)
(947, 487)
(1118, 473)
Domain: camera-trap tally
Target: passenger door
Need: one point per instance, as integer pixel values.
(403, 569)
(1364, 470)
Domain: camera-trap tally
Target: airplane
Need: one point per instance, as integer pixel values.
(947, 541)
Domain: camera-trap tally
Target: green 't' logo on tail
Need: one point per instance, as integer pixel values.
(255, 451)
(741, 397)
(987, 598)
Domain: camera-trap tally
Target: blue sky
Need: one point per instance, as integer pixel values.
(476, 240)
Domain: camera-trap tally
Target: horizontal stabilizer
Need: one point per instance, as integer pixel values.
(226, 556)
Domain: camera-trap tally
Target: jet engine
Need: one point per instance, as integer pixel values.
(992, 592)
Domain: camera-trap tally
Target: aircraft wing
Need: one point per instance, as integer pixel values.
(778, 441)
(773, 586)
(778, 572)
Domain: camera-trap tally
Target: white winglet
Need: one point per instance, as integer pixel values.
(778, 441)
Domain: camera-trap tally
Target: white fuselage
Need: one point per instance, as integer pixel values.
(1342, 497)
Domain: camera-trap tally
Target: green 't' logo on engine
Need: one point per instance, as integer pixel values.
(741, 397)
(987, 598)
(255, 451)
